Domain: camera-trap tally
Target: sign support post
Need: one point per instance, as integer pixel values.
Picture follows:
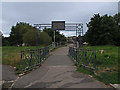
(57, 25)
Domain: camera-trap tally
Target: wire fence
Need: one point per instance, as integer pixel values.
(84, 57)
(32, 58)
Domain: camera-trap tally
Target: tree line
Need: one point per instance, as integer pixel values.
(24, 33)
(103, 30)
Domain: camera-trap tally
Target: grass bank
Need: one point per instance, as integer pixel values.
(108, 70)
(11, 54)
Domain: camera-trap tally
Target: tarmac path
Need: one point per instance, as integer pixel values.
(58, 71)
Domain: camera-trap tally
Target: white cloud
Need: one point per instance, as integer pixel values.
(68, 33)
(6, 35)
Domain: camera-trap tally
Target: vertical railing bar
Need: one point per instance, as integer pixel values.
(86, 57)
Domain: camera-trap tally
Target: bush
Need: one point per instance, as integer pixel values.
(44, 39)
(29, 38)
(33, 37)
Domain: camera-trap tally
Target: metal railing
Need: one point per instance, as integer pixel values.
(32, 58)
(84, 57)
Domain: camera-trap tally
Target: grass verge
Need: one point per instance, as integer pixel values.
(11, 54)
(107, 64)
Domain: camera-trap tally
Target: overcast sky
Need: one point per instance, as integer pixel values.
(45, 12)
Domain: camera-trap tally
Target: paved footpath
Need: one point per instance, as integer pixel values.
(58, 71)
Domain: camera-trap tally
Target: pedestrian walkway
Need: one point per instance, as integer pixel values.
(58, 71)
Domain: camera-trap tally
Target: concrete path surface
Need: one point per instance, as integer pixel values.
(58, 71)
(8, 75)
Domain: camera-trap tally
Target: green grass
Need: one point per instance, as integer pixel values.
(107, 64)
(108, 58)
(11, 54)
(85, 70)
(108, 77)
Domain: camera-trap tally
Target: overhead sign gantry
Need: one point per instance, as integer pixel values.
(61, 25)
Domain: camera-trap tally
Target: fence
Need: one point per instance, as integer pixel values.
(32, 58)
(84, 57)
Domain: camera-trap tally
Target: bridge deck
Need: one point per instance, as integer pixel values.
(58, 71)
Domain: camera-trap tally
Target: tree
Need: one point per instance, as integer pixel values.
(117, 19)
(35, 37)
(44, 39)
(50, 32)
(17, 32)
(102, 30)
(93, 29)
(62, 39)
(29, 38)
(58, 37)
(1, 36)
(5, 41)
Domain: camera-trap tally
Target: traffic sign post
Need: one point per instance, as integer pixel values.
(57, 25)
